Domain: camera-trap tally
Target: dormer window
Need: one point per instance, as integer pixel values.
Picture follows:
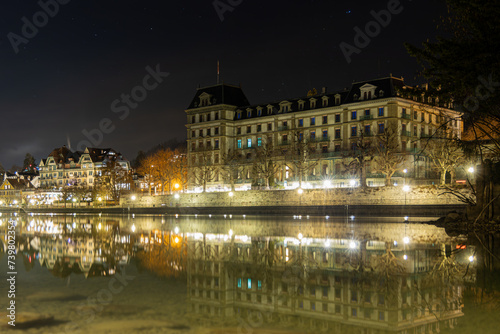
(269, 109)
(249, 113)
(367, 91)
(285, 106)
(238, 115)
(325, 101)
(337, 99)
(205, 99)
(312, 103)
(259, 112)
(380, 93)
(301, 105)
(208, 117)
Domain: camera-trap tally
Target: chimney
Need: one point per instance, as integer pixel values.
(323, 90)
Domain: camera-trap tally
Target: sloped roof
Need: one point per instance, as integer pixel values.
(19, 184)
(221, 94)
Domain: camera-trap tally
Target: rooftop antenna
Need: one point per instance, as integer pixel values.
(218, 72)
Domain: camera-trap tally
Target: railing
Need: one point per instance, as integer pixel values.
(406, 133)
(365, 117)
(284, 142)
(283, 128)
(406, 116)
(319, 139)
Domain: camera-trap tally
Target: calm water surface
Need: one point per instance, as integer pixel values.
(236, 274)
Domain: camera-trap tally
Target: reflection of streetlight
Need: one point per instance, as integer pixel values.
(133, 228)
(406, 240)
(352, 183)
(300, 236)
(300, 191)
(177, 196)
(471, 172)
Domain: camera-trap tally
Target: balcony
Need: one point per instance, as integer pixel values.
(406, 133)
(366, 118)
(319, 139)
(425, 135)
(368, 134)
(406, 116)
(284, 142)
(283, 128)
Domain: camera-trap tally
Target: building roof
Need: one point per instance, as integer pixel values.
(220, 94)
(19, 184)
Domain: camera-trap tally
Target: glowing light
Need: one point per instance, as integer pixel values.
(176, 230)
(405, 257)
(230, 233)
(471, 258)
(300, 236)
(406, 217)
(176, 186)
(74, 225)
(177, 196)
(327, 243)
(405, 170)
(231, 194)
(352, 245)
(99, 226)
(74, 200)
(176, 240)
(176, 215)
(327, 217)
(100, 199)
(327, 183)
(406, 188)
(133, 228)
(133, 198)
(406, 240)
(352, 183)
(300, 191)
(352, 217)
(471, 170)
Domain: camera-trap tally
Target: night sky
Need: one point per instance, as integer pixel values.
(64, 78)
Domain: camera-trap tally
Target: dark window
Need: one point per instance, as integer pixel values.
(301, 136)
(325, 292)
(313, 291)
(381, 111)
(325, 134)
(337, 118)
(249, 129)
(354, 131)
(313, 120)
(216, 115)
(269, 126)
(193, 119)
(353, 115)
(301, 122)
(208, 117)
(238, 131)
(325, 119)
(367, 130)
(367, 112)
(337, 148)
(208, 132)
(381, 128)
(313, 306)
(216, 131)
(216, 143)
(259, 128)
(337, 133)
(324, 149)
(193, 134)
(313, 135)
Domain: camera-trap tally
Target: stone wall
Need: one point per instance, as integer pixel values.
(309, 197)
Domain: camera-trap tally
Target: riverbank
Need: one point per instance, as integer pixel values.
(315, 210)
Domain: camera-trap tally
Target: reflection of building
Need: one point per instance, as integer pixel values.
(222, 127)
(381, 283)
(67, 247)
(66, 168)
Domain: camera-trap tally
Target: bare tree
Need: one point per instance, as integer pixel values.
(232, 166)
(355, 161)
(445, 155)
(265, 162)
(205, 170)
(388, 158)
(302, 158)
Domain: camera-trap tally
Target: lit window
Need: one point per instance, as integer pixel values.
(259, 141)
(239, 143)
(249, 283)
(239, 282)
(249, 142)
(259, 284)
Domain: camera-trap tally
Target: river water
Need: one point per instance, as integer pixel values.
(244, 274)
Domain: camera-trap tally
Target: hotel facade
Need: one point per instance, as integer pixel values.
(221, 124)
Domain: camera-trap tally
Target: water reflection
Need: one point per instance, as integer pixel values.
(247, 274)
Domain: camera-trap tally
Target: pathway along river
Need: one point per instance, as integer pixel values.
(246, 274)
